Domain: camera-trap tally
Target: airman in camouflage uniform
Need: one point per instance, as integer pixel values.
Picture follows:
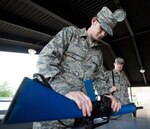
(120, 86)
(74, 55)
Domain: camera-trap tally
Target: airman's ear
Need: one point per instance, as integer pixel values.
(93, 20)
(114, 63)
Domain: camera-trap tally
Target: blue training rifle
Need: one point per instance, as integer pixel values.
(36, 101)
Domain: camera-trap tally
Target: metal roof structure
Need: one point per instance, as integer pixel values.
(32, 24)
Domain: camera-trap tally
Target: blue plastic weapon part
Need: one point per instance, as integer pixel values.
(125, 109)
(89, 89)
(35, 102)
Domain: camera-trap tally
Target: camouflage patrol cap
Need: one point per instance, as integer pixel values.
(108, 20)
(119, 60)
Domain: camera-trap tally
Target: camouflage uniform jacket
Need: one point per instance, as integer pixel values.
(122, 86)
(68, 59)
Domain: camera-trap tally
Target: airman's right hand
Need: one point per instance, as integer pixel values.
(82, 100)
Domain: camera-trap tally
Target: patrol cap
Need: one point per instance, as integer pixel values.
(119, 60)
(108, 20)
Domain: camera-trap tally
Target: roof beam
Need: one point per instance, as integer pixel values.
(47, 12)
(21, 27)
(129, 36)
(19, 43)
(45, 36)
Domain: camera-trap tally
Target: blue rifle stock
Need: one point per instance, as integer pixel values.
(34, 101)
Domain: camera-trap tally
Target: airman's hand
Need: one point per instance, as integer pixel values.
(113, 89)
(82, 101)
(115, 105)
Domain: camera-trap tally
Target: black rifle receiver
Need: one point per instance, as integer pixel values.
(101, 108)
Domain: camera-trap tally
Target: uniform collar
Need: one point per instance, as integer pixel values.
(83, 33)
(116, 72)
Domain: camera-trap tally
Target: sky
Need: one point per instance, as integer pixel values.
(15, 66)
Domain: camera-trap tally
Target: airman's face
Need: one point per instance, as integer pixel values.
(98, 31)
(118, 66)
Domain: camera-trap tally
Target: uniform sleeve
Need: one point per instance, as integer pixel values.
(101, 86)
(122, 94)
(101, 79)
(126, 93)
(51, 55)
(50, 58)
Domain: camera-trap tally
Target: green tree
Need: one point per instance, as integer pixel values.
(5, 90)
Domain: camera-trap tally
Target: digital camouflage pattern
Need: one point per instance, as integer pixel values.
(109, 20)
(119, 60)
(122, 86)
(53, 124)
(68, 59)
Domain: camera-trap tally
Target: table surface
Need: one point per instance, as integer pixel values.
(126, 122)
